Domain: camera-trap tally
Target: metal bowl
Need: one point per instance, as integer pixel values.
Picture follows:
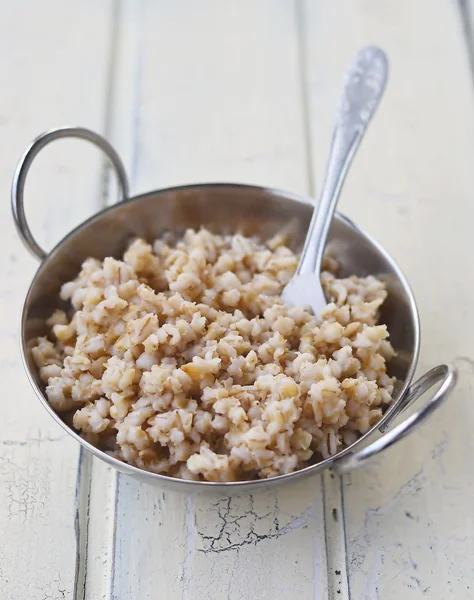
(225, 208)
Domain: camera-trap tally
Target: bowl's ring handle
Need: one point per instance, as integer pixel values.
(25, 162)
(447, 374)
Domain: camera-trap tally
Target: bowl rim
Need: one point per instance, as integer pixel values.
(158, 478)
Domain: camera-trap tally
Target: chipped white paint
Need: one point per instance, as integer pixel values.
(48, 75)
(243, 91)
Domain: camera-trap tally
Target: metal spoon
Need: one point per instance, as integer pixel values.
(364, 85)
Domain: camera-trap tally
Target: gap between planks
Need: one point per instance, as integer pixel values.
(96, 482)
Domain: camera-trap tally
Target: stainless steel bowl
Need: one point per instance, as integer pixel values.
(225, 207)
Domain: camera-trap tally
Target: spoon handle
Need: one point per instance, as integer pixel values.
(363, 87)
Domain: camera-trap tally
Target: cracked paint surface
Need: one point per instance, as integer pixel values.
(38, 461)
(232, 535)
(239, 524)
(219, 539)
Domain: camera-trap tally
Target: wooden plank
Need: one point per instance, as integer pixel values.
(49, 76)
(212, 91)
(224, 103)
(264, 545)
(407, 515)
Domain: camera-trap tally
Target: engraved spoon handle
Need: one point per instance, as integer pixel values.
(363, 87)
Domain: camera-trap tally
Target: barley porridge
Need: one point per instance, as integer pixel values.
(181, 359)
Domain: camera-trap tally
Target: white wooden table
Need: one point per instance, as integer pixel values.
(242, 90)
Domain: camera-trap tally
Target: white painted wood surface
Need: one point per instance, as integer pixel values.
(48, 75)
(243, 91)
